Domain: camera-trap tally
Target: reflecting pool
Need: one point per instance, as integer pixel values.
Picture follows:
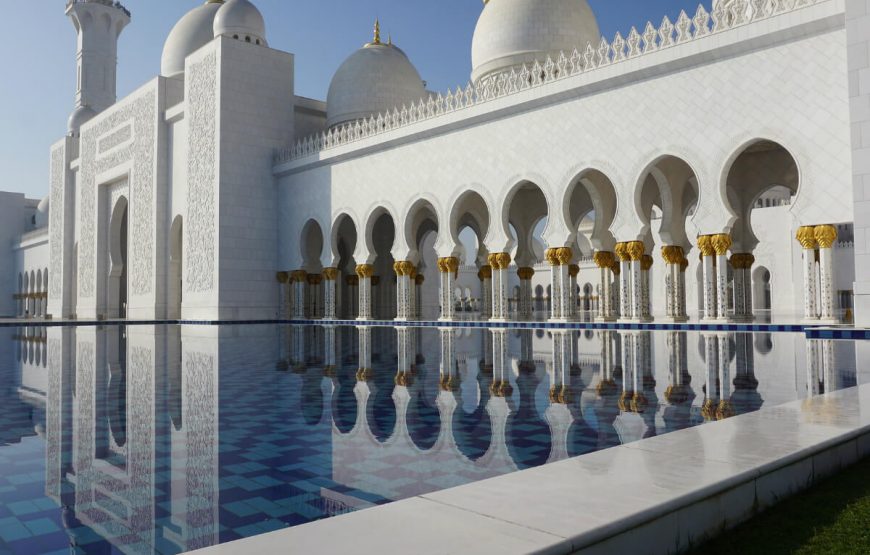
(164, 439)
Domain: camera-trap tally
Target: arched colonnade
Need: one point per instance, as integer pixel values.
(374, 267)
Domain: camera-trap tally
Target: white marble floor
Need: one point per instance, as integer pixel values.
(659, 495)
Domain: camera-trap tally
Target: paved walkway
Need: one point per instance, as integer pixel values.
(658, 495)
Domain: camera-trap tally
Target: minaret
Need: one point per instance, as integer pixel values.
(99, 24)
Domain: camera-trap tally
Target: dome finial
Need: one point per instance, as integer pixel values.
(377, 39)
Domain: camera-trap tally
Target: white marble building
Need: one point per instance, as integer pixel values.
(663, 174)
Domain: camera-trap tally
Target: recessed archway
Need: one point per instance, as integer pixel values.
(116, 292)
(174, 285)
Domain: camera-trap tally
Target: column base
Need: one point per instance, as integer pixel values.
(742, 319)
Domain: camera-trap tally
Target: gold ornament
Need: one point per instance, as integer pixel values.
(365, 271)
(826, 235)
(635, 250)
(705, 244)
(485, 273)
(646, 262)
(330, 274)
(573, 270)
(603, 259)
(282, 277)
(525, 273)
(622, 252)
(806, 236)
(721, 243)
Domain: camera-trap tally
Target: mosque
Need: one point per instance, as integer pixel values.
(709, 168)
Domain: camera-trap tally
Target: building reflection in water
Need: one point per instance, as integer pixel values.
(174, 438)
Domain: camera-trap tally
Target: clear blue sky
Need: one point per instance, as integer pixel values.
(38, 69)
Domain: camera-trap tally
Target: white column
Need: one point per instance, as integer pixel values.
(636, 252)
(807, 238)
(646, 264)
(573, 310)
(605, 261)
(725, 410)
(485, 277)
(364, 273)
(705, 244)
(403, 270)
(721, 244)
(525, 311)
(500, 263)
(681, 303)
(826, 236)
(624, 280)
(352, 284)
(330, 293)
(447, 269)
(298, 282)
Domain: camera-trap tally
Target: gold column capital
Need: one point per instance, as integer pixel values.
(315, 279)
(419, 279)
(298, 276)
(635, 250)
(365, 271)
(705, 244)
(672, 254)
(564, 255)
(352, 280)
(551, 257)
(742, 261)
(825, 235)
(721, 243)
(283, 277)
(404, 268)
(330, 274)
(806, 236)
(485, 272)
(603, 259)
(499, 260)
(646, 262)
(376, 280)
(573, 270)
(684, 264)
(448, 265)
(525, 273)
(621, 250)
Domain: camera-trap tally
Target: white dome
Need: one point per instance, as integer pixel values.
(193, 31)
(79, 117)
(42, 212)
(376, 78)
(240, 20)
(512, 32)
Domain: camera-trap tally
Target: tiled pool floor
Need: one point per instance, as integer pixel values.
(165, 438)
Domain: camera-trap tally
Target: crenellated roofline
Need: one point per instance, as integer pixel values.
(723, 17)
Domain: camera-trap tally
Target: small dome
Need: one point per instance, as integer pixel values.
(79, 117)
(376, 78)
(510, 33)
(240, 20)
(193, 31)
(42, 212)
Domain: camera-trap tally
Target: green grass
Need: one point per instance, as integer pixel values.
(831, 517)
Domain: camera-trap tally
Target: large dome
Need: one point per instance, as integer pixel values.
(241, 20)
(193, 31)
(512, 32)
(376, 78)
